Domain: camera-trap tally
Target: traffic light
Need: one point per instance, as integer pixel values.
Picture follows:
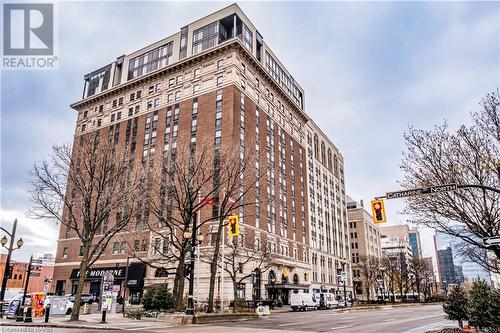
(233, 226)
(378, 211)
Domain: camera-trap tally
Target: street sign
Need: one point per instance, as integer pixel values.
(490, 241)
(421, 191)
(35, 274)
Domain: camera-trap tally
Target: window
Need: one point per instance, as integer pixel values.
(116, 247)
(85, 114)
(196, 87)
(205, 37)
(99, 122)
(150, 61)
(170, 98)
(80, 251)
(197, 73)
(220, 64)
(138, 94)
(83, 127)
(220, 80)
(132, 96)
(171, 82)
(178, 95)
(65, 253)
(243, 68)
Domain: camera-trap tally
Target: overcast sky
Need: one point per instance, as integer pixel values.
(369, 69)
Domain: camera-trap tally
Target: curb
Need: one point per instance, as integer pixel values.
(56, 325)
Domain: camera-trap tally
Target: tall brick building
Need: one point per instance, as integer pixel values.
(217, 81)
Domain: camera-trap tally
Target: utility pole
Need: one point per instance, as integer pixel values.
(26, 284)
(10, 249)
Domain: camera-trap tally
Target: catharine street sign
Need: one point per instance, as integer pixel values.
(421, 191)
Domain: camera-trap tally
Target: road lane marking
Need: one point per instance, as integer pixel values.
(341, 327)
(290, 324)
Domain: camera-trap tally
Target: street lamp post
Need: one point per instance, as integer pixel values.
(344, 280)
(199, 239)
(10, 249)
(190, 301)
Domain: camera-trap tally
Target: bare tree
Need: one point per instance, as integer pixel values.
(369, 268)
(186, 186)
(469, 155)
(419, 269)
(91, 190)
(240, 255)
(391, 267)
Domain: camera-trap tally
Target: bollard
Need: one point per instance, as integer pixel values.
(27, 318)
(20, 314)
(103, 320)
(47, 313)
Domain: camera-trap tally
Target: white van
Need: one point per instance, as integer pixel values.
(303, 301)
(327, 301)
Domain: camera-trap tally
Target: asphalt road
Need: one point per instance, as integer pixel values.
(391, 320)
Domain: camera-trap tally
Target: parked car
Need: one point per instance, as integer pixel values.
(303, 301)
(327, 301)
(86, 298)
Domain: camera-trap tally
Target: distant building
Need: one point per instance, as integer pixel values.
(38, 282)
(416, 245)
(471, 270)
(17, 275)
(459, 274)
(447, 267)
(395, 239)
(365, 241)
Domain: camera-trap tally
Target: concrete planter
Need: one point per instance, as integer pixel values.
(216, 317)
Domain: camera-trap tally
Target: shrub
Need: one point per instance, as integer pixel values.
(455, 305)
(158, 297)
(134, 314)
(478, 305)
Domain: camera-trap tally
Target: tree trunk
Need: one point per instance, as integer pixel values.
(75, 313)
(368, 295)
(179, 285)
(235, 296)
(213, 269)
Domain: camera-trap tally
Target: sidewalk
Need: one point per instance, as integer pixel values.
(92, 321)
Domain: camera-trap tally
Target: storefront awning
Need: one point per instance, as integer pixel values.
(98, 273)
(136, 273)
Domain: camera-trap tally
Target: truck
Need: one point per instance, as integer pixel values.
(327, 301)
(303, 301)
